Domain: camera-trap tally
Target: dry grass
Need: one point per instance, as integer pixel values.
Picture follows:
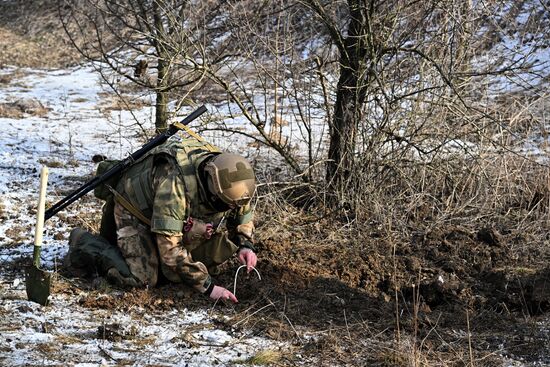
(17, 234)
(24, 107)
(501, 189)
(11, 112)
(39, 52)
(142, 342)
(111, 103)
(68, 339)
(6, 78)
(51, 163)
(392, 357)
(31, 36)
(263, 358)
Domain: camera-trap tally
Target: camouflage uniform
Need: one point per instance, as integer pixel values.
(187, 236)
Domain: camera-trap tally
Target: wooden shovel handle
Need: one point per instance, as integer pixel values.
(40, 216)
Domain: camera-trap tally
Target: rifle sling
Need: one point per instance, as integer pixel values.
(129, 206)
(199, 138)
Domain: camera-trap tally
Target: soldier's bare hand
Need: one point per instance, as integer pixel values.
(248, 257)
(223, 294)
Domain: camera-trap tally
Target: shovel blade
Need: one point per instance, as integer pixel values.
(38, 284)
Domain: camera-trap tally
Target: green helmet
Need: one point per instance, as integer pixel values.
(230, 178)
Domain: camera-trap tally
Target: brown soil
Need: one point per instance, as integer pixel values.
(442, 281)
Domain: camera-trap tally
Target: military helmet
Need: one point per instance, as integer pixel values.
(230, 177)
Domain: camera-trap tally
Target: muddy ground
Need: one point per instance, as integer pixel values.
(452, 296)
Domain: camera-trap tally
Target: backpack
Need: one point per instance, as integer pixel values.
(102, 191)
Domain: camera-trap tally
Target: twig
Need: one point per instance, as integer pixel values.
(107, 354)
(347, 326)
(213, 306)
(292, 326)
(253, 313)
(469, 339)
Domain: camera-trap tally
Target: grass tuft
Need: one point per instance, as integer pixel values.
(263, 358)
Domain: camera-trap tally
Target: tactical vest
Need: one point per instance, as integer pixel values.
(186, 155)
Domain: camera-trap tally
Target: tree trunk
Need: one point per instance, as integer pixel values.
(163, 68)
(161, 105)
(350, 97)
(343, 130)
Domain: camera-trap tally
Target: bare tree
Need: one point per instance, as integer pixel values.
(131, 37)
(409, 74)
(395, 83)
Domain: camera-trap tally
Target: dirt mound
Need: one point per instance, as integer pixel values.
(519, 289)
(447, 279)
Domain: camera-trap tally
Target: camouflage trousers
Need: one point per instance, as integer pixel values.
(135, 253)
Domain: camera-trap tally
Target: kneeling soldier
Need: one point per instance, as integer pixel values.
(182, 210)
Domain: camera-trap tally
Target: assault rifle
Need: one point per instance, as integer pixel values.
(122, 165)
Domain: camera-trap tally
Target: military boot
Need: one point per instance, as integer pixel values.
(68, 267)
(114, 276)
(75, 235)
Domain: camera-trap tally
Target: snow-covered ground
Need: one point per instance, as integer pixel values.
(65, 332)
(66, 139)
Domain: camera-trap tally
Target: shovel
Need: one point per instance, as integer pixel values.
(38, 281)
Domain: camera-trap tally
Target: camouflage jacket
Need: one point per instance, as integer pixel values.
(166, 187)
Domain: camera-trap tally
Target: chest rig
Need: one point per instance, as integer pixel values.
(185, 157)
